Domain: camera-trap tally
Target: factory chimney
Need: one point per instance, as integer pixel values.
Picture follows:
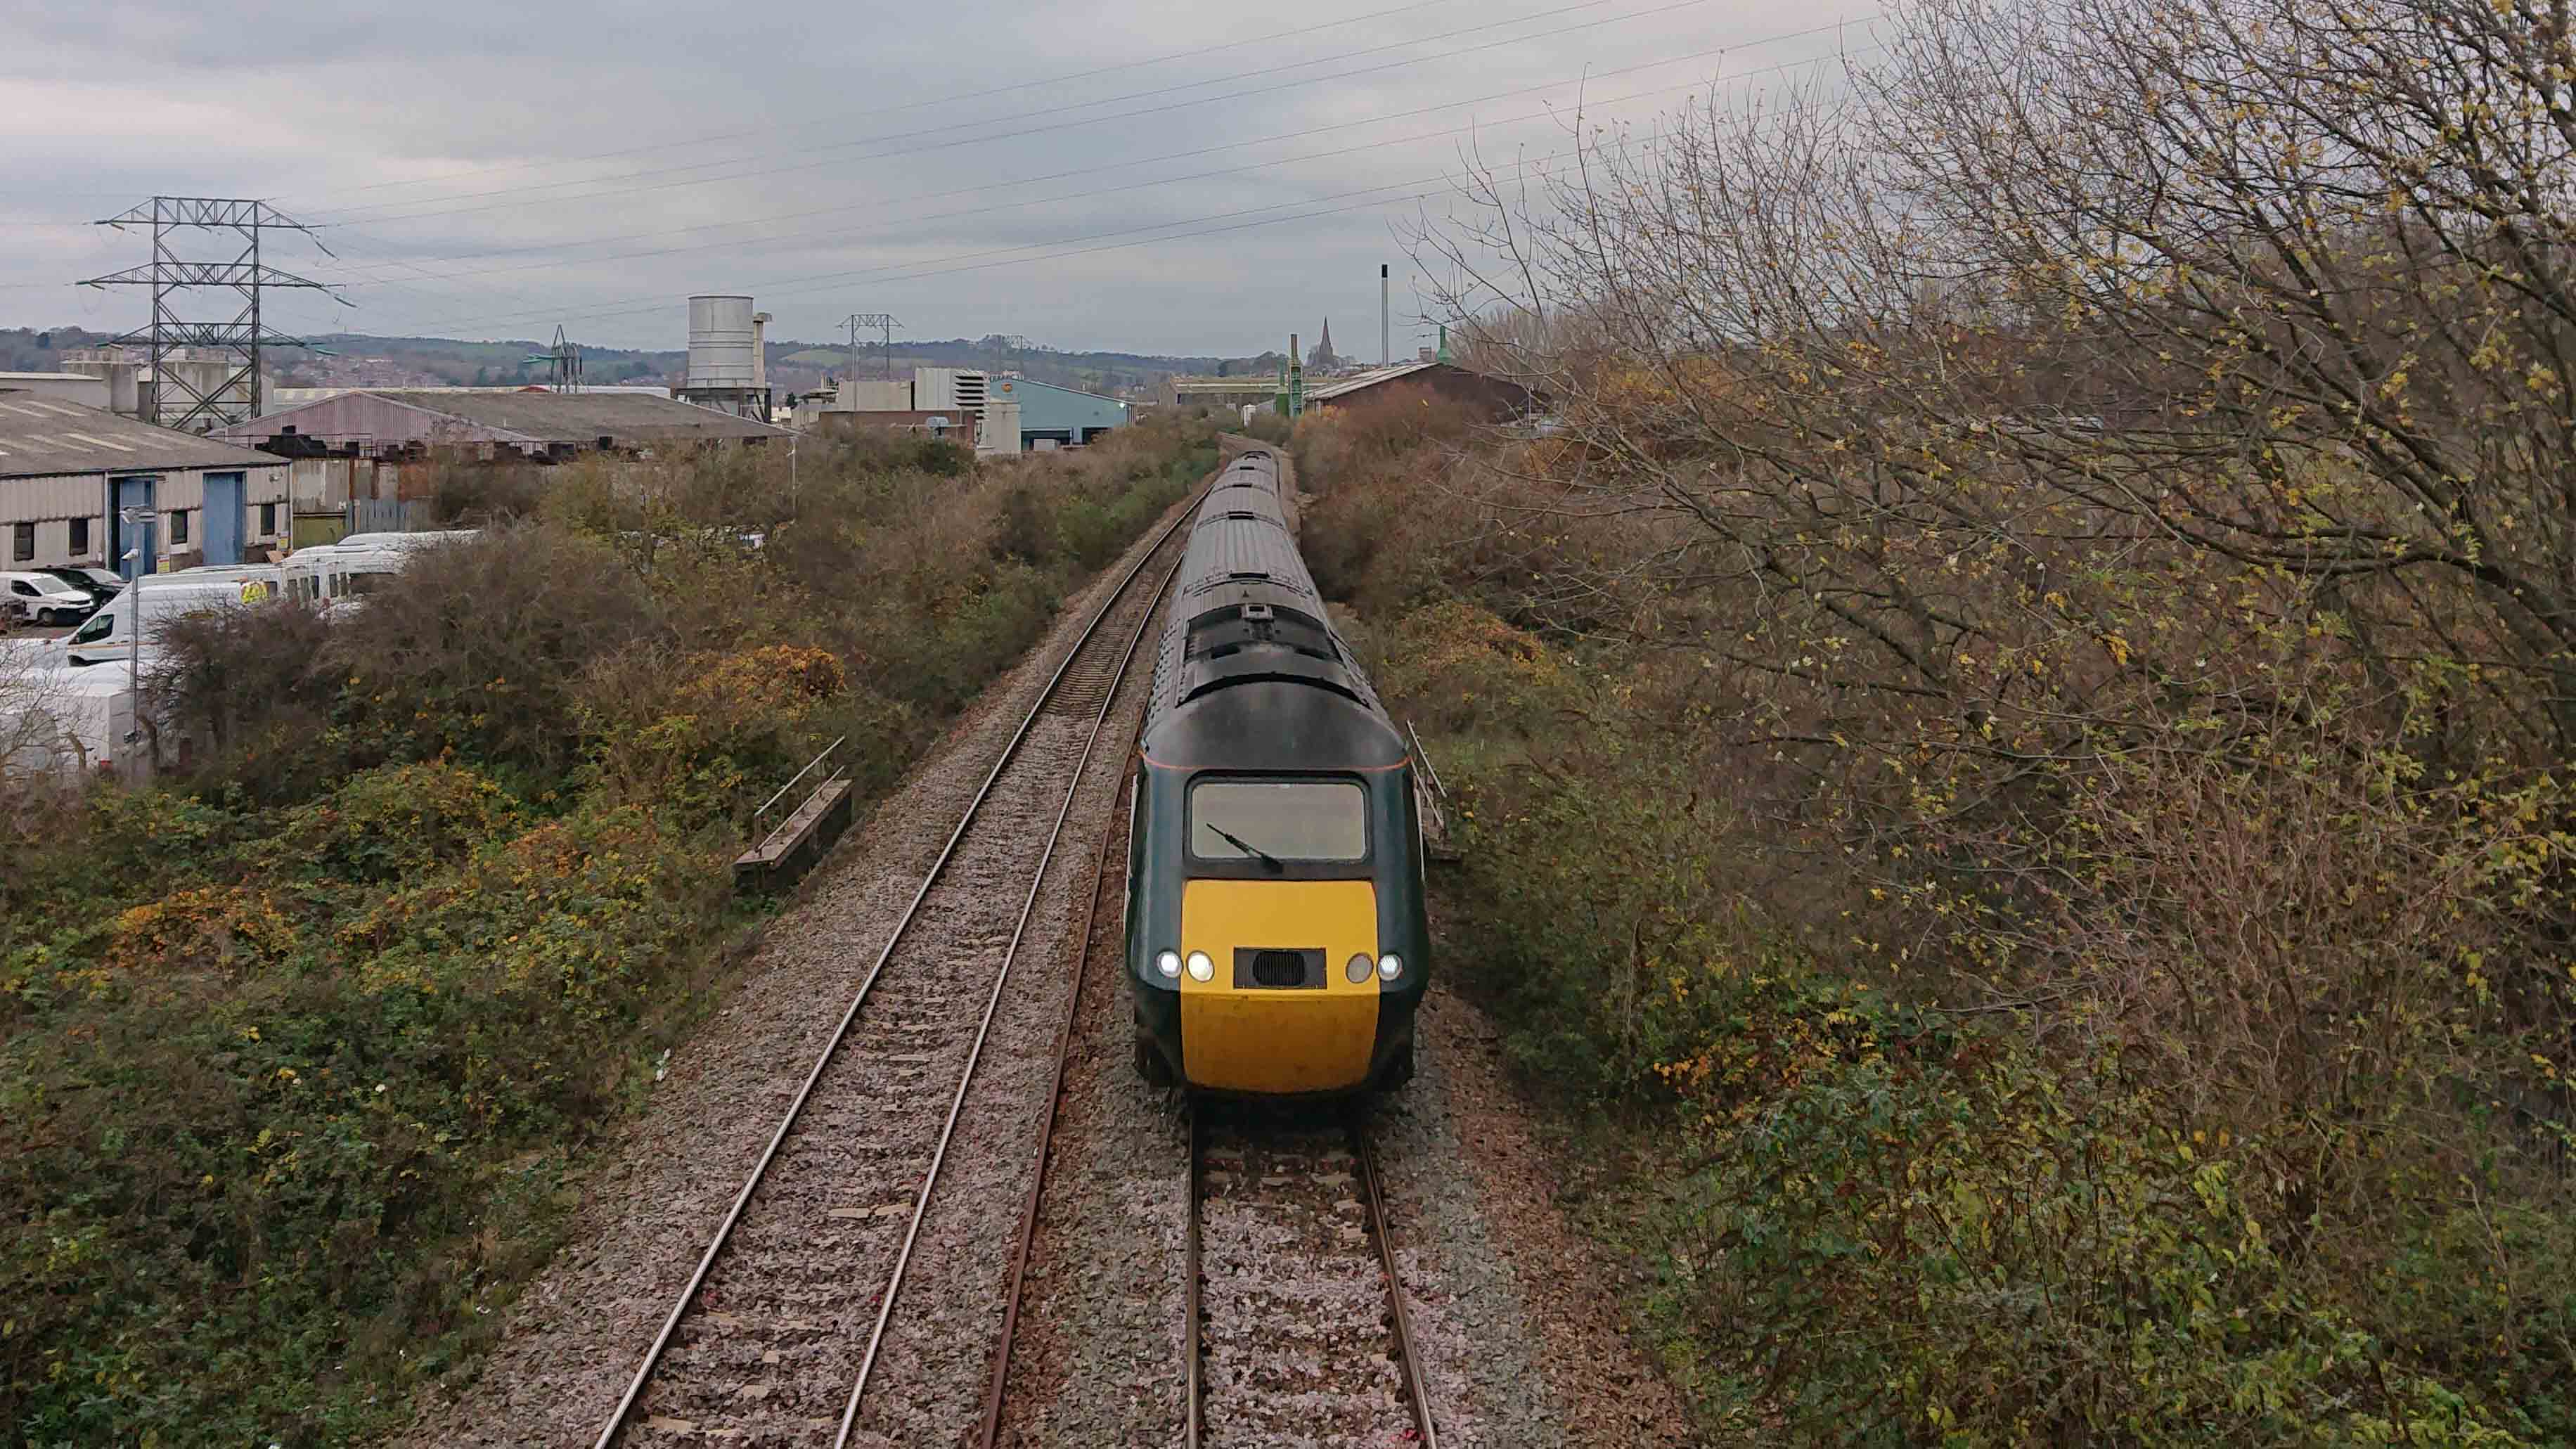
(760, 349)
(1385, 351)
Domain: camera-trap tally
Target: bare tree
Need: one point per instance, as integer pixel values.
(2106, 399)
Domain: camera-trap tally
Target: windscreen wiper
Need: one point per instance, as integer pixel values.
(1247, 847)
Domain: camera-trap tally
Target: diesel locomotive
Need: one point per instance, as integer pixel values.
(1277, 944)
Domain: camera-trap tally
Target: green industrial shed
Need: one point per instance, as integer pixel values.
(1062, 414)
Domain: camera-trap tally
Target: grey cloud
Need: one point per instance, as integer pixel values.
(387, 120)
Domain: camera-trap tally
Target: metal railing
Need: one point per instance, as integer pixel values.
(1428, 768)
(771, 803)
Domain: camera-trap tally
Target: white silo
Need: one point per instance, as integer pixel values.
(726, 369)
(723, 354)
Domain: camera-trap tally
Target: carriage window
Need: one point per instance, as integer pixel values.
(1281, 819)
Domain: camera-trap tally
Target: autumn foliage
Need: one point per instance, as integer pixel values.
(302, 1048)
(2055, 558)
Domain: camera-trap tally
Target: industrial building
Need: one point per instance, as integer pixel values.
(71, 387)
(1495, 397)
(1220, 392)
(375, 446)
(946, 426)
(281, 398)
(67, 471)
(384, 423)
(126, 373)
(1051, 415)
(940, 400)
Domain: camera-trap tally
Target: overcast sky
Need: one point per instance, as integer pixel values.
(487, 170)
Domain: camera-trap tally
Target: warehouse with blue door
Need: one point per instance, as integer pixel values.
(69, 473)
(1052, 416)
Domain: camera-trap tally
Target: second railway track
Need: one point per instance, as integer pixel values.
(777, 1332)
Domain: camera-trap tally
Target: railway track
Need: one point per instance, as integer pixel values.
(759, 1346)
(1298, 1327)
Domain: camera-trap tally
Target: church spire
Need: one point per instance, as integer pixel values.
(1323, 357)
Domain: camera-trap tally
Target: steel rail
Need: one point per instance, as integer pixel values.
(990, 1435)
(626, 1403)
(1416, 1392)
(1193, 1384)
(993, 1003)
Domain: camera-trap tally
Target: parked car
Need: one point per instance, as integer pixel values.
(99, 584)
(46, 599)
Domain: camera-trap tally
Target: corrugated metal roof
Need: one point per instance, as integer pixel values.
(41, 435)
(1326, 391)
(286, 397)
(557, 417)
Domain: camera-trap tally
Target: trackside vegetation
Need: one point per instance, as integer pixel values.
(304, 1047)
(2045, 600)
(2066, 543)
(1871, 1198)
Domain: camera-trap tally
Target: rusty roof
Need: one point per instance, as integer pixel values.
(550, 417)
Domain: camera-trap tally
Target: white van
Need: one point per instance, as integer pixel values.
(159, 598)
(43, 599)
(367, 542)
(337, 577)
(61, 722)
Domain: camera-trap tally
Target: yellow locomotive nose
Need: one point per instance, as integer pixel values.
(1278, 1012)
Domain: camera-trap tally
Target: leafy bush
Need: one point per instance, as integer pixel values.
(300, 1049)
(1895, 1233)
(477, 651)
(471, 493)
(263, 1141)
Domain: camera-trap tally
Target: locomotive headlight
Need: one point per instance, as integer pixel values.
(1169, 963)
(1390, 966)
(1358, 969)
(1201, 968)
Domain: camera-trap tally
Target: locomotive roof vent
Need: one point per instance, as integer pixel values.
(1256, 613)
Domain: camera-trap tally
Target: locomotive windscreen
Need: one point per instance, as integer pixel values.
(1279, 819)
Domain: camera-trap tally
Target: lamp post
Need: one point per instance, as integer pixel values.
(133, 516)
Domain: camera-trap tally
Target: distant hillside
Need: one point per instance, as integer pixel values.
(361, 359)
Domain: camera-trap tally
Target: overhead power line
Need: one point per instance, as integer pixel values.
(846, 117)
(878, 206)
(1377, 146)
(1058, 125)
(985, 260)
